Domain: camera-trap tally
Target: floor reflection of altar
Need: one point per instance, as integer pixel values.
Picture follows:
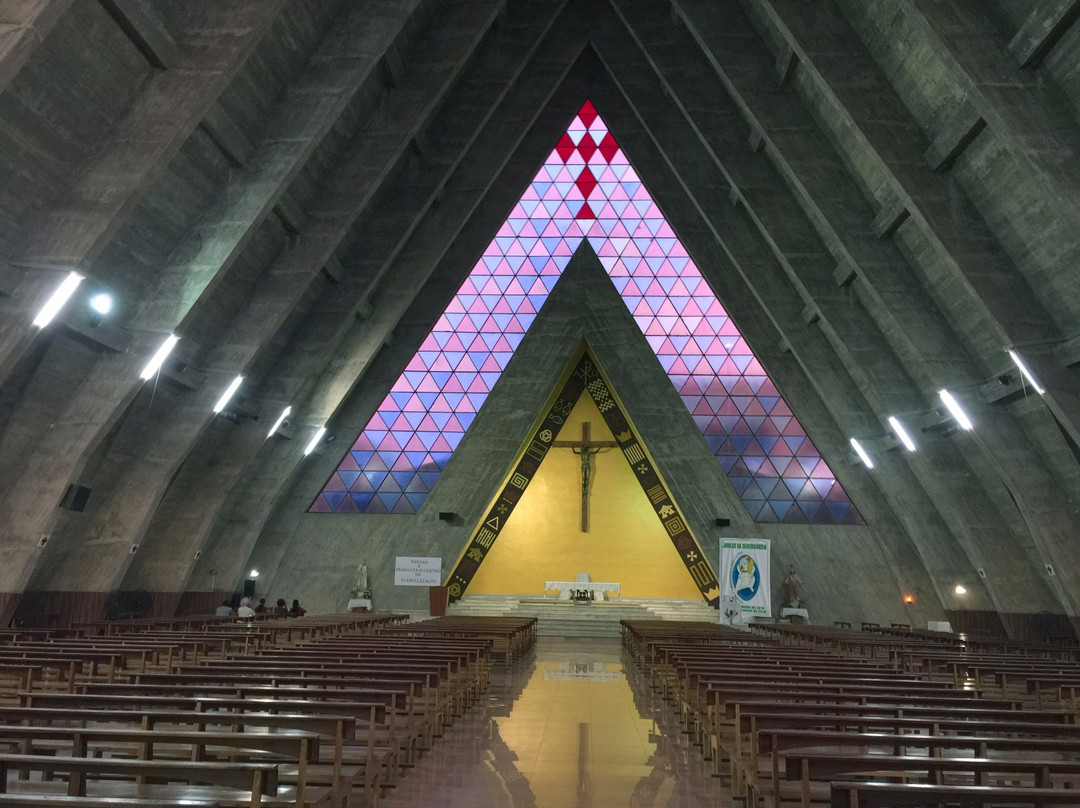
(598, 588)
(582, 728)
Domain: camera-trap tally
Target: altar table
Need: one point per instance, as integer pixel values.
(565, 587)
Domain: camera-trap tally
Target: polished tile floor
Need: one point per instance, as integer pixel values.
(569, 726)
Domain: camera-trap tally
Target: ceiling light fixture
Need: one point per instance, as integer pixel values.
(1025, 371)
(863, 456)
(960, 589)
(901, 434)
(101, 303)
(954, 409)
(158, 359)
(280, 420)
(57, 299)
(315, 440)
(228, 394)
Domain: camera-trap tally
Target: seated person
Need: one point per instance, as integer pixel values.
(280, 608)
(224, 610)
(245, 611)
(297, 610)
(261, 608)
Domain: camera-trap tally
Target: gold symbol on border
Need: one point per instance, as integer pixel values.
(485, 537)
(633, 453)
(519, 481)
(674, 526)
(701, 574)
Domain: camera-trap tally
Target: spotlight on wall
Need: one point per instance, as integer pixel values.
(253, 574)
(960, 589)
(100, 306)
(861, 452)
(909, 599)
(954, 409)
(901, 433)
(230, 391)
(57, 299)
(1025, 371)
(318, 436)
(158, 359)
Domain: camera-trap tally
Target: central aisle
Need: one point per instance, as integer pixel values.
(568, 726)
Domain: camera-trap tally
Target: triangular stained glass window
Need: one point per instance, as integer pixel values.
(588, 189)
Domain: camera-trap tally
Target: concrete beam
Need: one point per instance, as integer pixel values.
(333, 269)
(23, 27)
(351, 186)
(846, 272)
(955, 135)
(1048, 22)
(145, 29)
(227, 135)
(107, 188)
(10, 278)
(403, 252)
(291, 214)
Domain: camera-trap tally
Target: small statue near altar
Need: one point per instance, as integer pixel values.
(791, 584)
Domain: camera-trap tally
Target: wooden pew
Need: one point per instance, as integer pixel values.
(809, 768)
(920, 795)
(24, 799)
(260, 779)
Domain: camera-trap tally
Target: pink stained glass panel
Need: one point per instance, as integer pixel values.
(588, 189)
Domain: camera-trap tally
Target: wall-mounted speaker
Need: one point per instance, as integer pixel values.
(448, 516)
(249, 588)
(75, 497)
(720, 522)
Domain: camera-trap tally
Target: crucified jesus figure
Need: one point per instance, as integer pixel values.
(586, 453)
(586, 447)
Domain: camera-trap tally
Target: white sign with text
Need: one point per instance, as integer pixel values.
(417, 571)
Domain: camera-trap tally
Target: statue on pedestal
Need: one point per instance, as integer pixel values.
(791, 585)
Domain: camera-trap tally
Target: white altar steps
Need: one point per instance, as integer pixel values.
(563, 618)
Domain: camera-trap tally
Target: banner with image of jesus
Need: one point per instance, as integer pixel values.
(744, 575)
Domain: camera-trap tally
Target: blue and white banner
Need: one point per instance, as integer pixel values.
(744, 576)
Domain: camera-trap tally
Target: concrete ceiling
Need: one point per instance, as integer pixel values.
(884, 193)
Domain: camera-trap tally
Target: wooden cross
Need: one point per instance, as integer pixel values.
(586, 447)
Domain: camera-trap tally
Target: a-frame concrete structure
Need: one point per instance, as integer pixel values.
(883, 194)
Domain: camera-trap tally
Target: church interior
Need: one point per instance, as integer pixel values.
(530, 313)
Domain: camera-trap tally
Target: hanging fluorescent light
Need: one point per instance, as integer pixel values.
(863, 456)
(228, 394)
(158, 359)
(280, 420)
(57, 299)
(901, 434)
(954, 409)
(315, 440)
(1025, 371)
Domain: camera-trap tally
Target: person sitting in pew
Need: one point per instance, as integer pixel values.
(224, 610)
(280, 608)
(261, 608)
(245, 611)
(297, 610)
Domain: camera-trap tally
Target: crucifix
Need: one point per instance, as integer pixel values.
(586, 447)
